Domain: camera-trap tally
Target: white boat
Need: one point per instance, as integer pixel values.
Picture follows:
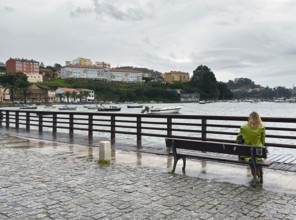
(164, 110)
(67, 108)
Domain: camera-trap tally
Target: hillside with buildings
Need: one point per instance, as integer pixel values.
(127, 83)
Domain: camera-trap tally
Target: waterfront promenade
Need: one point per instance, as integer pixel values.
(52, 180)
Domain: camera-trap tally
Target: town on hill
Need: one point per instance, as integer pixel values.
(81, 80)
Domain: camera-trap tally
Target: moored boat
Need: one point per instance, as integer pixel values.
(111, 108)
(164, 110)
(67, 108)
(28, 107)
(134, 106)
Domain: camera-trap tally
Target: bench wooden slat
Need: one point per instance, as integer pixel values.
(217, 147)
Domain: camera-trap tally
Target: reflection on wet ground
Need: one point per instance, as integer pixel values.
(279, 181)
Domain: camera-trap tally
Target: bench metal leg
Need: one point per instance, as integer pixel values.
(184, 163)
(255, 176)
(175, 163)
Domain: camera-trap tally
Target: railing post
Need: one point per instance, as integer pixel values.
(90, 126)
(27, 121)
(71, 123)
(54, 123)
(40, 123)
(203, 128)
(112, 129)
(139, 131)
(17, 118)
(169, 127)
(7, 119)
(1, 118)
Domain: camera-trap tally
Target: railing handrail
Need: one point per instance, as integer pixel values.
(210, 117)
(27, 118)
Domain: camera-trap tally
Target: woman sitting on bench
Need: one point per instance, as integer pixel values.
(253, 134)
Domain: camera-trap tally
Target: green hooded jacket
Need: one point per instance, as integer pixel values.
(252, 136)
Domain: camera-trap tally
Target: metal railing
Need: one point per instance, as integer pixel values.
(280, 132)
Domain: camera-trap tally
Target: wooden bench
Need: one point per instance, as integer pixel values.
(185, 148)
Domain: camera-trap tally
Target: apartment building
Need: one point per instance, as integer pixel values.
(176, 76)
(86, 72)
(28, 67)
(126, 75)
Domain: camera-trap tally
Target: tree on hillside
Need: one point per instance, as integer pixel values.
(85, 95)
(224, 91)
(282, 92)
(23, 85)
(41, 65)
(8, 81)
(204, 80)
(74, 95)
(239, 83)
(57, 66)
(67, 94)
(14, 82)
(80, 96)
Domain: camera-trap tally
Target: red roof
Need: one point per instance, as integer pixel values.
(70, 90)
(124, 70)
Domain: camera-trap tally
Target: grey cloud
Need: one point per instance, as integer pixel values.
(8, 9)
(80, 11)
(105, 9)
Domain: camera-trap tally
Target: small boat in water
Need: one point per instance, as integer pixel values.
(111, 108)
(28, 107)
(134, 106)
(164, 110)
(67, 108)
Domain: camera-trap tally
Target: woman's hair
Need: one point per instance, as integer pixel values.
(255, 120)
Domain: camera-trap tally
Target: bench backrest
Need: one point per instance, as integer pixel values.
(217, 147)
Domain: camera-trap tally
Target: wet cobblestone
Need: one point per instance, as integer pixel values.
(40, 185)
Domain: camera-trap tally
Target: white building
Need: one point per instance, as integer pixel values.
(96, 72)
(86, 72)
(126, 75)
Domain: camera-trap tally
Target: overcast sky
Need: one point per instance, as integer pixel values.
(253, 39)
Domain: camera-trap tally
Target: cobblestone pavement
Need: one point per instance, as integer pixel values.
(53, 185)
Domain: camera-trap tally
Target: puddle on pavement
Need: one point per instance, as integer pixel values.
(274, 180)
